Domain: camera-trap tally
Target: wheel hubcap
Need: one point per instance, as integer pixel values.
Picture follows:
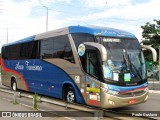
(70, 96)
(14, 86)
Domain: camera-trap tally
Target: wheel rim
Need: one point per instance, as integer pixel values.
(70, 96)
(14, 86)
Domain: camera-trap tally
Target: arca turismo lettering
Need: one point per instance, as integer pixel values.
(33, 67)
(28, 67)
(19, 67)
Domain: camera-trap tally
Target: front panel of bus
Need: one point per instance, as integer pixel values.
(118, 81)
(124, 72)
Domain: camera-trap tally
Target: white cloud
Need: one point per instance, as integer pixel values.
(16, 16)
(47, 2)
(129, 11)
(95, 3)
(135, 15)
(105, 3)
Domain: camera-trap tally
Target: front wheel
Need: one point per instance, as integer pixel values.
(14, 85)
(70, 95)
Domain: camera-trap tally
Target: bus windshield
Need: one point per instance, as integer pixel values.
(125, 61)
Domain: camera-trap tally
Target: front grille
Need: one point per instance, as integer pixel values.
(131, 94)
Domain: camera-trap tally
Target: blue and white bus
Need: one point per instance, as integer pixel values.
(97, 66)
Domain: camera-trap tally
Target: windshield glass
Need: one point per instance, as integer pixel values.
(125, 60)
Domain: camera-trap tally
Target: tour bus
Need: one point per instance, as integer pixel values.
(97, 66)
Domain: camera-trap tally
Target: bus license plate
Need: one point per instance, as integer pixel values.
(132, 101)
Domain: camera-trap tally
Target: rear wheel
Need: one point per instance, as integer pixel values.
(70, 95)
(14, 85)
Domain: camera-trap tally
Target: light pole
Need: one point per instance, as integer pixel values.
(46, 17)
(159, 62)
(7, 34)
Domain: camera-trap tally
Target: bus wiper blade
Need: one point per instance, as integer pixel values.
(134, 67)
(125, 59)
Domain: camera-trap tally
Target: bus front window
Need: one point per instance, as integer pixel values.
(125, 61)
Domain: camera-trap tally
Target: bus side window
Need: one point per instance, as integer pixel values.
(79, 38)
(33, 51)
(14, 52)
(62, 48)
(4, 53)
(90, 63)
(29, 50)
(57, 47)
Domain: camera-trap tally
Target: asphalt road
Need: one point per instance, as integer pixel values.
(151, 106)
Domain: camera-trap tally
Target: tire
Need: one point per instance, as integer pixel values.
(14, 85)
(70, 95)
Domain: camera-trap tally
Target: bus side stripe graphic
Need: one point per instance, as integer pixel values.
(15, 72)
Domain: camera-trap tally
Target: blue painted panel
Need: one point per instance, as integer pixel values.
(43, 77)
(126, 88)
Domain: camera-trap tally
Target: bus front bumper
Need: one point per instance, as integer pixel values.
(111, 101)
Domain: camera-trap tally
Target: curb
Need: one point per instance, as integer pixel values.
(154, 91)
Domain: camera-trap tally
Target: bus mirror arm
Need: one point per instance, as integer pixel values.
(100, 47)
(154, 53)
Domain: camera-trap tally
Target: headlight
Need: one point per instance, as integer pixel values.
(104, 88)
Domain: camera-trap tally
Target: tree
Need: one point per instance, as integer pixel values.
(151, 36)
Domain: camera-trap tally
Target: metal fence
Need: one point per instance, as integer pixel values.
(153, 77)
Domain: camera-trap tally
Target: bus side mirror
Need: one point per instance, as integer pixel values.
(154, 53)
(100, 47)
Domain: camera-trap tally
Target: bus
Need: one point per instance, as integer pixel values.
(97, 66)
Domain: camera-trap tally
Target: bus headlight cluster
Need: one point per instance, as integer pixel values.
(112, 92)
(146, 89)
(105, 90)
(111, 102)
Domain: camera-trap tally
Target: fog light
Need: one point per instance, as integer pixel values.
(111, 102)
(146, 98)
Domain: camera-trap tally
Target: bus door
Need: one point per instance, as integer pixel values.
(90, 64)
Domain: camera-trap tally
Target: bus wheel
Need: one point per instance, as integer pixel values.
(14, 85)
(70, 95)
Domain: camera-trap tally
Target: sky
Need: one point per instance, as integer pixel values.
(23, 18)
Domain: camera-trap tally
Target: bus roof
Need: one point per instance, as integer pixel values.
(28, 39)
(93, 30)
(101, 31)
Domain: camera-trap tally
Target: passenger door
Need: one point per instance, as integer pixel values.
(91, 65)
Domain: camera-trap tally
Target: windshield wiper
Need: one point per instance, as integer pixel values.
(125, 60)
(132, 65)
